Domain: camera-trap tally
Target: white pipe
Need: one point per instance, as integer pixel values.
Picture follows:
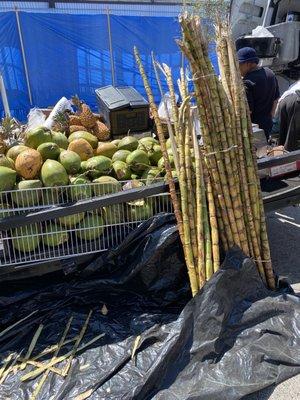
(111, 49)
(24, 56)
(4, 97)
(266, 13)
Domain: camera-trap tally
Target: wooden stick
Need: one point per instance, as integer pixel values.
(200, 210)
(82, 332)
(17, 323)
(44, 377)
(161, 137)
(32, 346)
(8, 370)
(6, 362)
(52, 349)
(168, 74)
(169, 124)
(57, 360)
(213, 226)
(37, 364)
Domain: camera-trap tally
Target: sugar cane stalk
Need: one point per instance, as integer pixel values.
(177, 212)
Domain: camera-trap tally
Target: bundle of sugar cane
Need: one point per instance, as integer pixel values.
(180, 217)
(219, 187)
(226, 132)
(195, 208)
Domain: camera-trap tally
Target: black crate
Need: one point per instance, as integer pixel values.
(265, 47)
(123, 109)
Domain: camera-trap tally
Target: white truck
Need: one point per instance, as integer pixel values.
(272, 27)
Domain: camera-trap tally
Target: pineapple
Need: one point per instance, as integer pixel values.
(101, 131)
(87, 117)
(74, 120)
(61, 122)
(84, 112)
(76, 128)
(10, 133)
(3, 146)
(77, 103)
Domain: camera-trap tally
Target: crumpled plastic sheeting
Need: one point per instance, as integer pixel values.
(234, 338)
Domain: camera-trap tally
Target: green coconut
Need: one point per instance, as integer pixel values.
(155, 154)
(83, 166)
(54, 174)
(116, 142)
(71, 161)
(5, 210)
(134, 176)
(106, 149)
(114, 214)
(121, 170)
(99, 165)
(49, 151)
(53, 195)
(71, 220)
(26, 238)
(27, 193)
(38, 136)
(147, 144)
(14, 151)
(54, 236)
(133, 184)
(91, 227)
(8, 178)
(140, 210)
(6, 162)
(106, 185)
(128, 143)
(147, 140)
(138, 160)
(120, 155)
(80, 188)
(60, 139)
(161, 162)
(91, 139)
(152, 175)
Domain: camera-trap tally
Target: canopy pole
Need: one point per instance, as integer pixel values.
(266, 13)
(23, 56)
(111, 49)
(4, 97)
(182, 60)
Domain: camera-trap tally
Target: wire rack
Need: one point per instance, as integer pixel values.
(31, 234)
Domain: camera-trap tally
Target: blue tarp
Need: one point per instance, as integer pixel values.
(11, 66)
(69, 54)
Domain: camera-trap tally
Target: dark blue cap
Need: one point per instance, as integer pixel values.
(247, 54)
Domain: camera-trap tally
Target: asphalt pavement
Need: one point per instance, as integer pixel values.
(284, 237)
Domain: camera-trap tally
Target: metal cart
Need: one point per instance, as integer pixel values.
(45, 224)
(89, 219)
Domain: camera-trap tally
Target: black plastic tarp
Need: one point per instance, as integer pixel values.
(234, 338)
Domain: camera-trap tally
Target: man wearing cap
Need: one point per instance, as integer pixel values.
(261, 89)
(288, 117)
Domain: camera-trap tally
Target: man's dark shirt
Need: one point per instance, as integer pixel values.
(262, 90)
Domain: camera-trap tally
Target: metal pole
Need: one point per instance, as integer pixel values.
(4, 97)
(111, 50)
(24, 56)
(266, 13)
(182, 60)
